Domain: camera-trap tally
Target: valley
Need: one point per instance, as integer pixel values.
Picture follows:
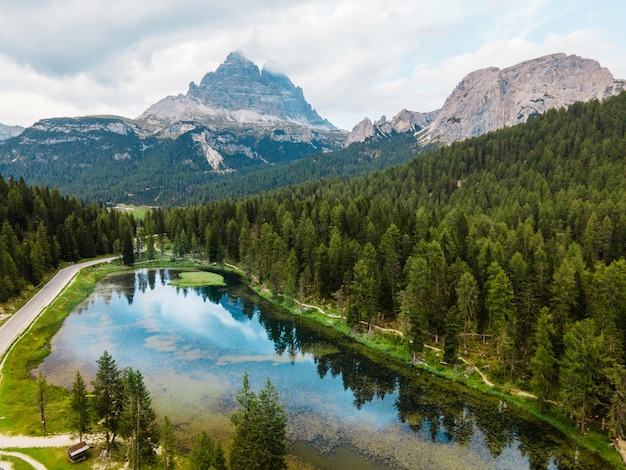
(490, 231)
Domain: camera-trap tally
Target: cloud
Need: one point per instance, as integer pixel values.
(352, 58)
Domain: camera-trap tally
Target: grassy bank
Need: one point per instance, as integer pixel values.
(19, 389)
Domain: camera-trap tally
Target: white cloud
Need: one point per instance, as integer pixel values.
(352, 58)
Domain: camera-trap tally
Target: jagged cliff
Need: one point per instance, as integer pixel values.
(404, 121)
(491, 98)
(238, 92)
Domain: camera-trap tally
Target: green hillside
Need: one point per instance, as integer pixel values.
(516, 237)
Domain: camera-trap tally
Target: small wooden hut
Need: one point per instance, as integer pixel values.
(77, 452)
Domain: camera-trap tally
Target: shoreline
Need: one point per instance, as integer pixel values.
(492, 389)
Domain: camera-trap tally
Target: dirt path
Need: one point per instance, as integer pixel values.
(32, 462)
(488, 382)
(26, 442)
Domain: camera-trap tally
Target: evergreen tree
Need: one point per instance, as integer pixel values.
(167, 443)
(543, 364)
(582, 368)
(617, 406)
(467, 303)
(81, 412)
(128, 249)
(365, 288)
(108, 397)
(260, 423)
(451, 344)
(205, 455)
(138, 420)
(501, 310)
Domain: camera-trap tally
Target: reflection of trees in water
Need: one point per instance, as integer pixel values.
(447, 411)
(443, 410)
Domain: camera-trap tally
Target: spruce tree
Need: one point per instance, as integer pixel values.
(138, 420)
(260, 424)
(81, 417)
(108, 397)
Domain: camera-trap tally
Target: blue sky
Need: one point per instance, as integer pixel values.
(353, 58)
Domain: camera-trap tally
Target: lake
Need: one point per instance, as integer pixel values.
(347, 407)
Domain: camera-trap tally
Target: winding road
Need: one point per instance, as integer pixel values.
(24, 317)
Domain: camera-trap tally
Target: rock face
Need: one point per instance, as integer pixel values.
(404, 121)
(6, 132)
(491, 98)
(238, 92)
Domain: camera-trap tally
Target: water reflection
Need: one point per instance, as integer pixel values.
(193, 346)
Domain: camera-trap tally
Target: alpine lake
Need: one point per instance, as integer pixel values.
(348, 408)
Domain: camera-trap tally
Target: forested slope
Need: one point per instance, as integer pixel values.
(519, 234)
(40, 229)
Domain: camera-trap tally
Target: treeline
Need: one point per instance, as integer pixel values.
(121, 405)
(41, 229)
(517, 237)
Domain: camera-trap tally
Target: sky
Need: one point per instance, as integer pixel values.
(352, 58)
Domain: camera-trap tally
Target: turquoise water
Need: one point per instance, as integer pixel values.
(345, 410)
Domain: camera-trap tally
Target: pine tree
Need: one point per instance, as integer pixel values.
(452, 328)
(260, 423)
(617, 407)
(543, 364)
(128, 249)
(81, 418)
(206, 455)
(138, 419)
(467, 303)
(108, 397)
(582, 368)
(167, 443)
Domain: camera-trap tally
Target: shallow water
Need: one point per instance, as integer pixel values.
(346, 411)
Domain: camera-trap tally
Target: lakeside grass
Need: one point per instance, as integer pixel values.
(19, 388)
(54, 457)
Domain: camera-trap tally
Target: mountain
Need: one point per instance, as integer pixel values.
(243, 128)
(404, 121)
(238, 120)
(489, 99)
(237, 92)
(6, 132)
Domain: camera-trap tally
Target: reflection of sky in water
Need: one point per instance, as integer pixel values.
(168, 330)
(193, 350)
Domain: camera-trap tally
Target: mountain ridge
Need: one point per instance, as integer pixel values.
(181, 151)
(491, 98)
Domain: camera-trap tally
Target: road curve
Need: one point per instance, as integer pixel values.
(22, 319)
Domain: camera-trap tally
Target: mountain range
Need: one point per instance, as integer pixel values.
(242, 120)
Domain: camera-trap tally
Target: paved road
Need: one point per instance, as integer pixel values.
(20, 320)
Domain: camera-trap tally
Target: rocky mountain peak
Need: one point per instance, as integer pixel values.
(404, 121)
(237, 91)
(236, 70)
(492, 98)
